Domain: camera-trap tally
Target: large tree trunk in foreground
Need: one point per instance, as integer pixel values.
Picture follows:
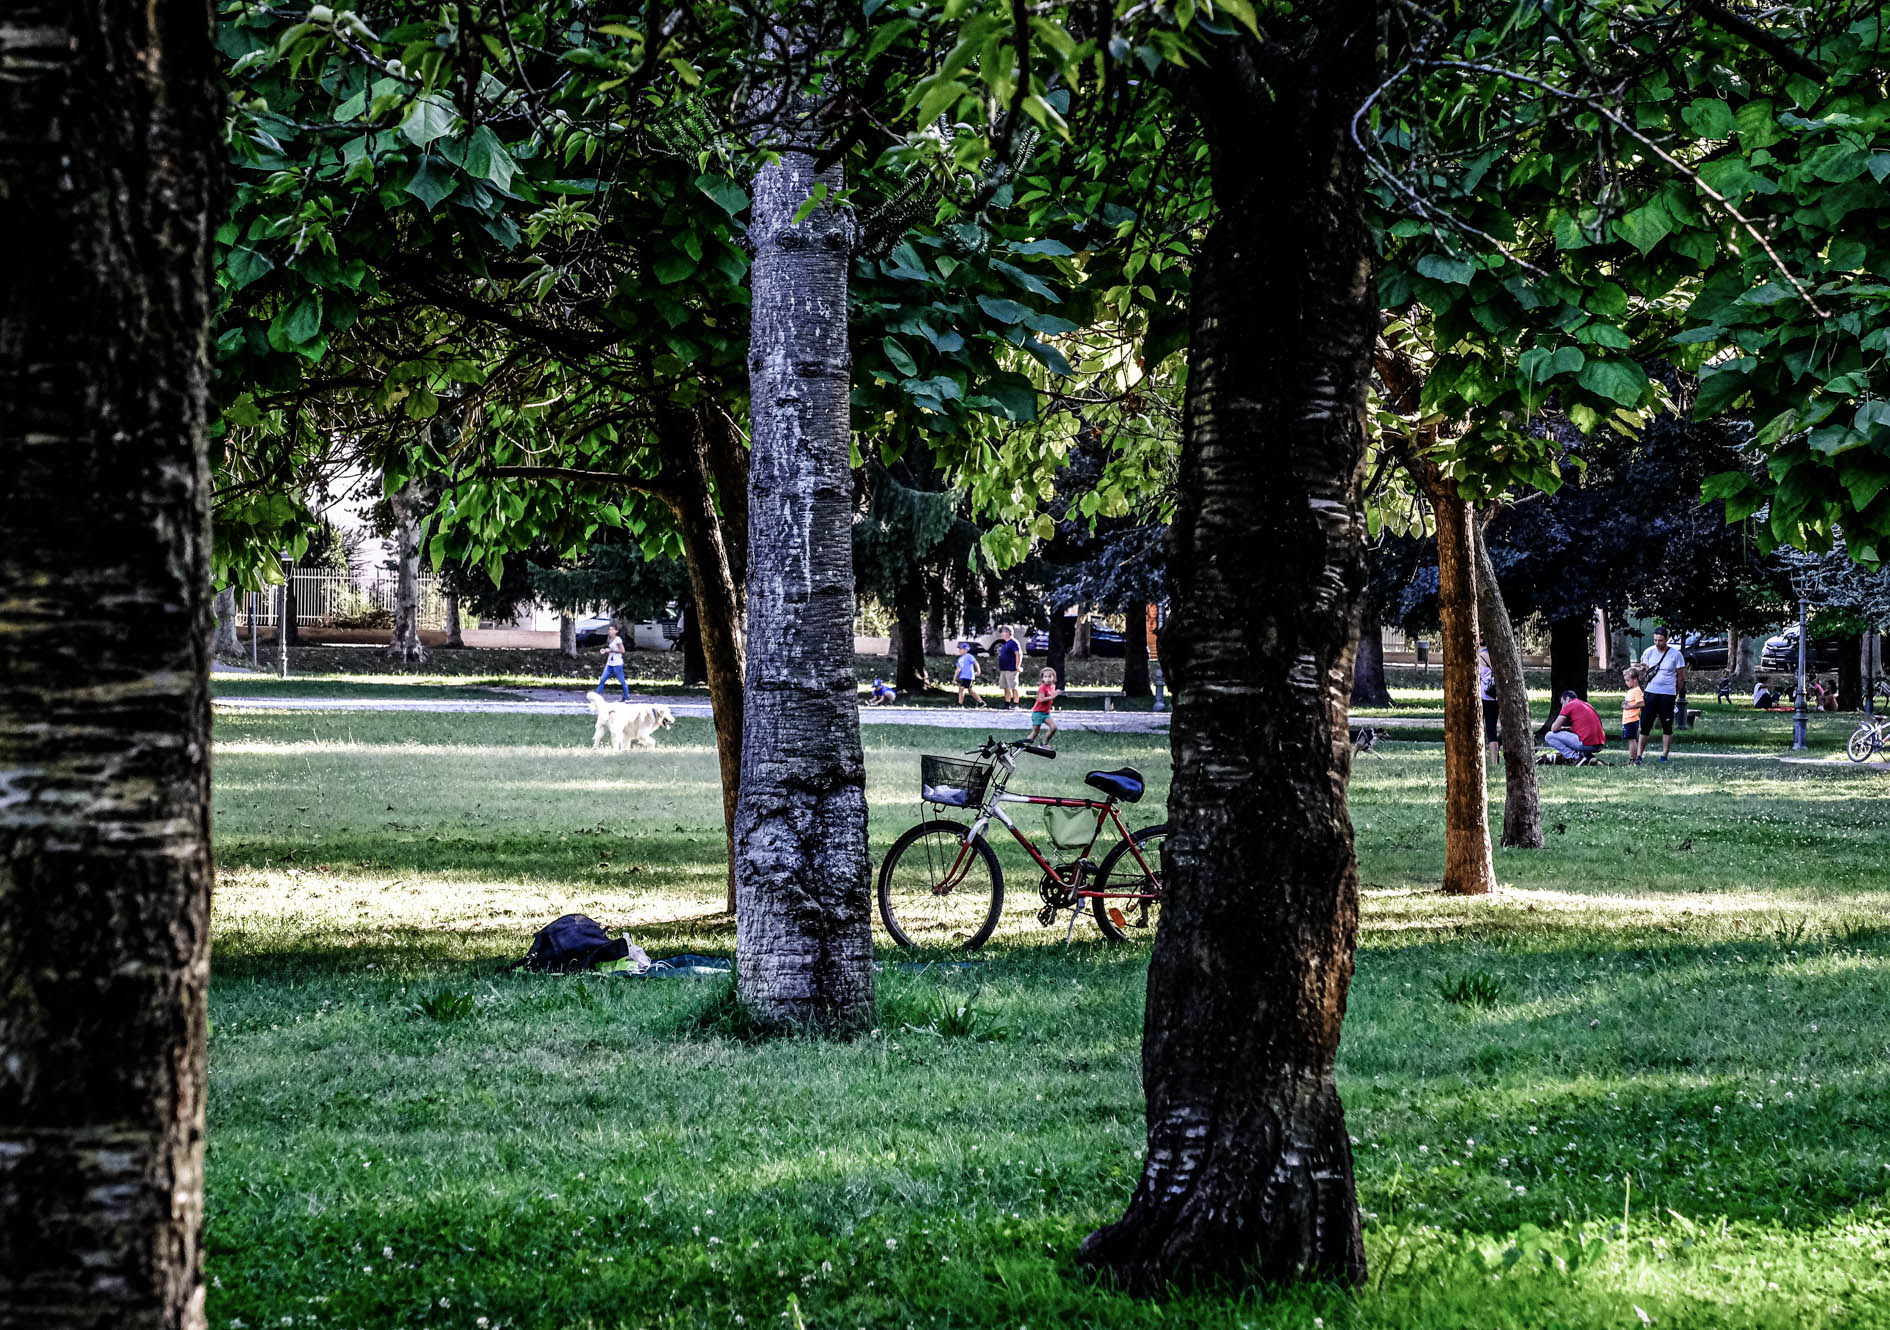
(716, 589)
(1522, 802)
(223, 643)
(804, 945)
(410, 504)
(1135, 682)
(909, 634)
(1468, 866)
(1248, 1171)
(111, 122)
(1369, 688)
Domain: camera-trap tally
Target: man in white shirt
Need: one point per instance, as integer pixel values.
(1664, 673)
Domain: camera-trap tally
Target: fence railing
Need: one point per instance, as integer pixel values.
(327, 599)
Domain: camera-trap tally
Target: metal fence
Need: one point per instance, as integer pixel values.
(326, 599)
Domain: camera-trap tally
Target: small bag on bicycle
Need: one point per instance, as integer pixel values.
(948, 781)
(1070, 828)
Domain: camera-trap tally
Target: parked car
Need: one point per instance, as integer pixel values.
(593, 631)
(1038, 643)
(650, 635)
(1102, 642)
(1705, 651)
(1781, 652)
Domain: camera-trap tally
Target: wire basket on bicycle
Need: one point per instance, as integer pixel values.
(952, 782)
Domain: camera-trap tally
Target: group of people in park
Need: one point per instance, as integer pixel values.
(1654, 684)
(1009, 653)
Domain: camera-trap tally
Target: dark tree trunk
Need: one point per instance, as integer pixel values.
(567, 635)
(909, 634)
(804, 944)
(1522, 802)
(1369, 688)
(1248, 1170)
(1468, 866)
(715, 586)
(1850, 674)
(1570, 656)
(455, 635)
(111, 150)
(935, 614)
(695, 670)
(1061, 631)
(410, 504)
(1135, 682)
(223, 643)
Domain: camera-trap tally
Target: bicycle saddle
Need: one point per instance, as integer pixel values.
(1124, 783)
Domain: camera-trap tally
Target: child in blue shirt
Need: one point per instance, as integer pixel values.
(967, 675)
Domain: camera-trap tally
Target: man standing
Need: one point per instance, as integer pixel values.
(1008, 655)
(1663, 674)
(1577, 730)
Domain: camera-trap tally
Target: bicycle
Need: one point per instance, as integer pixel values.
(1872, 735)
(941, 885)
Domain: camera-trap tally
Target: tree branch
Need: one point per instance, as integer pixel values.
(1788, 56)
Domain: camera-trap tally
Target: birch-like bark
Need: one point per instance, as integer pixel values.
(804, 943)
(455, 633)
(567, 636)
(223, 642)
(1522, 801)
(411, 504)
(111, 120)
(1248, 1169)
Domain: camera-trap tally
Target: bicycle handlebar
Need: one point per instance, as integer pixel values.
(993, 747)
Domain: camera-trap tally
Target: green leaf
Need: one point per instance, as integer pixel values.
(427, 119)
(1757, 126)
(900, 358)
(1014, 395)
(1454, 272)
(487, 159)
(1646, 226)
(1710, 118)
(1004, 311)
(673, 268)
(815, 197)
(298, 324)
(1720, 386)
(432, 182)
(245, 265)
(1620, 381)
(728, 195)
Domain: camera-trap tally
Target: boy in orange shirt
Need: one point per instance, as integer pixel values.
(1631, 717)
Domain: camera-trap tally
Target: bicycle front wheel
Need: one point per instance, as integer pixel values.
(1134, 907)
(938, 889)
(1863, 743)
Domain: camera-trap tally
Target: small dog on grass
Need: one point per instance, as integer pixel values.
(628, 723)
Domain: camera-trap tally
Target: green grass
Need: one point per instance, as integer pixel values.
(1671, 1093)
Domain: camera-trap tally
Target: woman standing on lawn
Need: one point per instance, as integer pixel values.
(613, 663)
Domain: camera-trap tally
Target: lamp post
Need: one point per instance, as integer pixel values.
(1799, 716)
(255, 648)
(282, 618)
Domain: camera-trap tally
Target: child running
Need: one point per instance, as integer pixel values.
(1040, 718)
(968, 676)
(1631, 716)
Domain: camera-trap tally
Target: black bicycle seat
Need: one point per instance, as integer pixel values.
(1124, 783)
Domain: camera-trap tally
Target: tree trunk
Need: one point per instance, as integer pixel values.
(111, 147)
(1850, 674)
(567, 635)
(410, 505)
(1569, 658)
(1369, 688)
(909, 634)
(1248, 1170)
(1061, 631)
(455, 635)
(1079, 638)
(223, 643)
(1734, 641)
(1468, 867)
(935, 614)
(716, 589)
(695, 669)
(1618, 658)
(1135, 681)
(804, 945)
(1522, 802)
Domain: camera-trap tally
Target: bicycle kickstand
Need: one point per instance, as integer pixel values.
(1076, 912)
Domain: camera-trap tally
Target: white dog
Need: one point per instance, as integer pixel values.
(628, 722)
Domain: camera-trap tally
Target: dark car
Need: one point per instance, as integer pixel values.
(1038, 643)
(1705, 651)
(593, 632)
(1781, 653)
(1105, 642)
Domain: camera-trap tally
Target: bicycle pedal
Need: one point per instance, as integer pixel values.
(1047, 915)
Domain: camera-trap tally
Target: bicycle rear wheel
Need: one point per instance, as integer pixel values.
(936, 889)
(1124, 917)
(1864, 742)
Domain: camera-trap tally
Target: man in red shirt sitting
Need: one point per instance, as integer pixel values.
(1577, 731)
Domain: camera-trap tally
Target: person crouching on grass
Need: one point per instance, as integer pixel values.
(1040, 711)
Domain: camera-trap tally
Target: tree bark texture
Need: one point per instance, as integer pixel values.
(1248, 1170)
(567, 636)
(1369, 688)
(411, 504)
(455, 633)
(111, 119)
(804, 946)
(1468, 865)
(1135, 682)
(1522, 801)
(935, 614)
(716, 586)
(223, 643)
(695, 670)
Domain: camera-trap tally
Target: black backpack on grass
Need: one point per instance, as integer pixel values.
(574, 942)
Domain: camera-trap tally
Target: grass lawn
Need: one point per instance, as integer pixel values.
(1649, 1082)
